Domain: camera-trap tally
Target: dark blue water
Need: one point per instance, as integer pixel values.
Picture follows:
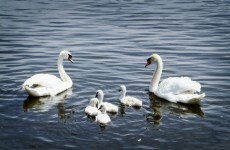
(110, 41)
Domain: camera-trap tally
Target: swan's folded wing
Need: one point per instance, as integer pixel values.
(44, 80)
(178, 85)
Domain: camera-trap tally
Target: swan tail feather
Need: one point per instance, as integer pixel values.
(192, 99)
(37, 92)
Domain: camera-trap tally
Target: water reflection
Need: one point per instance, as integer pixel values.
(160, 106)
(46, 103)
(124, 107)
(64, 112)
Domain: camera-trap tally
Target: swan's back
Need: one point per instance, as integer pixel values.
(44, 84)
(178, 85)
(180, 89)
(45, 80)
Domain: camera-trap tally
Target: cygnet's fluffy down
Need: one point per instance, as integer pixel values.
(92, 109)
(103, 118)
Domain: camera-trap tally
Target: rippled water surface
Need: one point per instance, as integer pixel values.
(110, 41)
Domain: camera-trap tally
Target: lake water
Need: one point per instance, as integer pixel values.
(110, 41)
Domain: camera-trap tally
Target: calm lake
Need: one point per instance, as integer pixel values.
(110, 41)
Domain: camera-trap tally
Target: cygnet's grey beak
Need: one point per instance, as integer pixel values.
(119, 90)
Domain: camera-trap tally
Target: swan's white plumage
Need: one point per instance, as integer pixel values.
(103, 118)
(128, 100)
(174, 89)
(92, 109)
(179, 89)
(43, 85)
(46, 84)
(178, 85)
(109, 106)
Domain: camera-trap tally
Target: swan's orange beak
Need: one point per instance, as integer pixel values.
(148, 63)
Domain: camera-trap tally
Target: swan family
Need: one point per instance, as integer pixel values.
(173, 89)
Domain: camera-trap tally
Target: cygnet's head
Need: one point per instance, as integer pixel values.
(122, 88)
(151, 59)
(94, 102)
(65, 54)
(102, 108)
(100, 95)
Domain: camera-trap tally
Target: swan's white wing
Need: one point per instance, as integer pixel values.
(180, 89)
(178, 85)
(44, 84)
(43, 80)
(190, 98)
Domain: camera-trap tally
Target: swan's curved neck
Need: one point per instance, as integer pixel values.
(123, 92)
(157, 75)
(62, 72)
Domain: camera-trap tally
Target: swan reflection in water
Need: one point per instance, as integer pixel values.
(124, 107)
(160, 106)
(43, 104)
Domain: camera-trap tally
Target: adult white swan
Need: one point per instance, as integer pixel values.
(173, 89)
(46, 84)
